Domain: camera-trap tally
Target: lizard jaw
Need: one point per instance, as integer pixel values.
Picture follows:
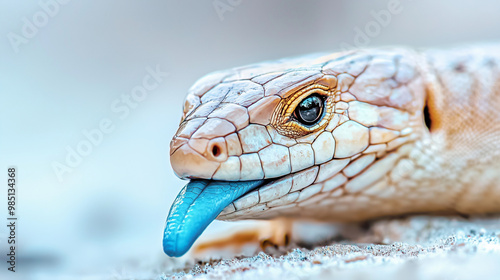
(275, 193)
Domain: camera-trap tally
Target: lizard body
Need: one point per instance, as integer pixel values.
(347, 136)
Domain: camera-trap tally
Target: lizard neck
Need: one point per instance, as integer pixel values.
(464, 104)
(464, 139)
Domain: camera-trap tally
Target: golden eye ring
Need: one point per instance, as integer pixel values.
(287, 123)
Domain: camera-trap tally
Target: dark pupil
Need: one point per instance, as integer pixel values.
(310, 109)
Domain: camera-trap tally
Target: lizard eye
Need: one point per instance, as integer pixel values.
(309, 110)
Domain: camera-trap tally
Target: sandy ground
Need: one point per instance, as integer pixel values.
(417, 247)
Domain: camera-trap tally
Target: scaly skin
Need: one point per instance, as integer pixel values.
(372, 155)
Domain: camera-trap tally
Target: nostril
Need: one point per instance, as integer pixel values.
(216, 150)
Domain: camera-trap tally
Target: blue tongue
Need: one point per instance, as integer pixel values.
(195, 207)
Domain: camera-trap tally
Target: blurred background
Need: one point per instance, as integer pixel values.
(65, 66)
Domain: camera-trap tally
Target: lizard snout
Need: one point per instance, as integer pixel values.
(197, 152)
(187, 162)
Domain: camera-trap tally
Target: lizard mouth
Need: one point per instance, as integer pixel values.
(196, 206)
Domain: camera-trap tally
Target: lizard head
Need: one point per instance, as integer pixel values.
(278, 137)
